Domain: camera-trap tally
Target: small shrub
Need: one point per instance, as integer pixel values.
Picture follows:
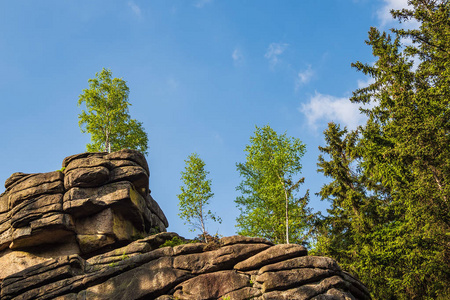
(175, 241)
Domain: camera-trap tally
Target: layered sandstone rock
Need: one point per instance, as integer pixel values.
(235, 268)
(93, 231)
(97, 201)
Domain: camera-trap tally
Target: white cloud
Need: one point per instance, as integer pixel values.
(365, 83)
(322, 109)
(237, 56)
(136, 9)
(201, 3)
(275, 50)
(303, 77)
(384, 13)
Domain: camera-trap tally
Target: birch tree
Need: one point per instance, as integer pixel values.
(195, 195)
(107, 117)
(270, 205)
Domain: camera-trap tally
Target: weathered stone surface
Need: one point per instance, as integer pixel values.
(33, 209)
(240, 239)
(134, 174)
(141, 270)
(5, 221)
(33, 180)
(51, 228)
(308, 291)
(77, 243)
(189, 248)
(122, 163)
(86, 177)
(302, 262)
(105, 228)
(157, 223)
(211, 285)
(52, 270)
(154, 208)
(148, 247)
(13, 261)
(5, 238)
(149, 280)
(127, 154)
(14, 179)
(81, 202)
(224, 257)
(92, 242)
(71, 158)
(55, 187)
(87, 162)
(243, 294)
(271, 255)
(289, 278)
(4, 202)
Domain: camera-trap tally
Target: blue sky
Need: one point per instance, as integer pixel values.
(201, 73)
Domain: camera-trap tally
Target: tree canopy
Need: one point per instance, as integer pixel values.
(389, 220)
(107, 117)
(269, 205)
(195, 195)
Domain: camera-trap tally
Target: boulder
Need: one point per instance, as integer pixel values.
(35, 185)
(33, 180)
(271, 255)
(86, 177)
(134, 174)
(211, 285)
(13, 260)
(51, 228)
(33, 209)
(69, 159)
(92, 161)
(81, 202)
(105, 228)
(142, 270)
(14, 179)
(132, 155)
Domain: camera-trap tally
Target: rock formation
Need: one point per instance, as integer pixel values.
(93, 231)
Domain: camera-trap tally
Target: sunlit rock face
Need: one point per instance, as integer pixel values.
(93, 231)
(96, 201)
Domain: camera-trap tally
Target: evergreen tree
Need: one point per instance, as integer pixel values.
(399, 245)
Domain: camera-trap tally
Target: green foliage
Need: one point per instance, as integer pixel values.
(107, 118)
(269, 205)
(124, 256)
(175, 241)
(195, 195)
(389, 219)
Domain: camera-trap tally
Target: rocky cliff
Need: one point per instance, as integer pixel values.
(93, 231)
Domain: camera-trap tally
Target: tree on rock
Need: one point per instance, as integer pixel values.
(195, 195)
(107, 118)
(269, 204)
